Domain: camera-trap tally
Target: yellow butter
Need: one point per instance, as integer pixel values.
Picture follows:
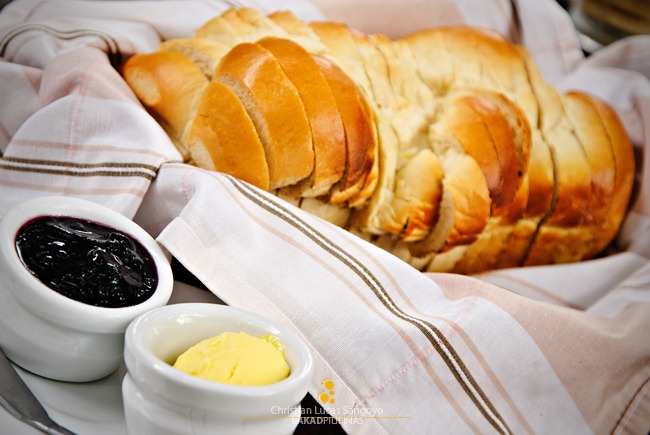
(236, 358)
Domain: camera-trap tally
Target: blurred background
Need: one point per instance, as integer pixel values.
(599, 22)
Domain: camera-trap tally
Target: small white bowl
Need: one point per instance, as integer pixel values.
(159, 399)
(50, 334)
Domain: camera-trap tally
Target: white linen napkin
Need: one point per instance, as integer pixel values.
(552, 349)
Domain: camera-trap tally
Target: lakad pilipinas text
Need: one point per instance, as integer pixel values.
(329, 414)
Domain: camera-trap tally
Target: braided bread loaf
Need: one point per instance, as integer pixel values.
(446, 147)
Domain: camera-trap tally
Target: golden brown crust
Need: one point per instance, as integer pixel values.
(511, 134)
(541, 188)
(464, 208)
(377, 183)
(327, 131)
(570, 206)
(624, 161)
(492, 130)
(257, 78)
(361, 140)
(589, 128)
(492, 244)
(418, 194)
(222, 137)
(169, 85)
(446, 148)
(371, 171)
(471, 117)
(465, 181)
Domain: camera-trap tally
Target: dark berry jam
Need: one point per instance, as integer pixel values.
(87, 261)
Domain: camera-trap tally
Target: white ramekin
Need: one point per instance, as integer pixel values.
(159, 399)
(50, 334)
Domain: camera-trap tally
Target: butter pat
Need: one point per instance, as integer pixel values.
(236, 359)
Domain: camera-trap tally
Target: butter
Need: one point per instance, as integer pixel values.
(236, 359)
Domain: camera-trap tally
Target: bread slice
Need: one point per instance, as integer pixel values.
(327, 130)
(472, 59)
(474, 120)
(235, 26)
(360, 175)
(337, 214)
(465, 206)
(405, 103)
(249, 24)
(512, 136)
(493, 131)
(498, 236)
(418, 193)
(258, 80)
(205, 53)
(345, 49)
(222, 137)
(560, 237)
(371, 177)
(481, 65)
(377, 216)
(418, 178)
(585, 119)
(624, 163)
(472, 258)
(541, 194)
(169, 85)
(400, 249)
(479, 125)
(515, 71)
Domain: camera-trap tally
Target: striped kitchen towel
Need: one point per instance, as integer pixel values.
(557, 349)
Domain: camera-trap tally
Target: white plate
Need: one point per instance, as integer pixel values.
(93, 408)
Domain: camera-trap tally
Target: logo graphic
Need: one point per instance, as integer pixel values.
(326, 394)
